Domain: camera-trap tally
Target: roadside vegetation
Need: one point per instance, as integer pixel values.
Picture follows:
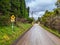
(8, 36)
(21, 24)
(51, 20)
(53, 31)
(13, 7)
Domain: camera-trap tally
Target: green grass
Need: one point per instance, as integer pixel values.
(7, 36)
(55, 32)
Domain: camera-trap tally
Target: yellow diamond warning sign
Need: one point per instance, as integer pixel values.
(12, 18)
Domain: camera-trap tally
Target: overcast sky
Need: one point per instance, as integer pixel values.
(40, 6)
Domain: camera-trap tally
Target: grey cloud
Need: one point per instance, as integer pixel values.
(41, 7)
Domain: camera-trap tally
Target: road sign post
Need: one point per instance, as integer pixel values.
(12, 26)
(12, 21)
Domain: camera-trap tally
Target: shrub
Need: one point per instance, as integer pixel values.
(30, 20)
(4, 20)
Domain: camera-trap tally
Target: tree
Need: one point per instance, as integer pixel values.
(13, 7)
(58, 3)
(5, 7)
(27, 12)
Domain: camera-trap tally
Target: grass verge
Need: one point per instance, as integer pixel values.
(51, 30)
(7, 36)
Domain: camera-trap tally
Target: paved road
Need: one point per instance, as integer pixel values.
(38, 36)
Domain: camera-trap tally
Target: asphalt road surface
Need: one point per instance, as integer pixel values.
(38, 36)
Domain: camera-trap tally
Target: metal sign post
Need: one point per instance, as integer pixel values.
(12, 20)
(12, 26)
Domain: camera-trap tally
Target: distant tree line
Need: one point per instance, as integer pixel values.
(52, 19)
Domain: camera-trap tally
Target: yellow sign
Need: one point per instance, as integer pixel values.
(12, 18)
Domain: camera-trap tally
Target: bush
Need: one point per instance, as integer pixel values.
(4, 20)
(30, 20)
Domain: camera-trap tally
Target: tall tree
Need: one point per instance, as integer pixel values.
(58, 3)
(5, 7)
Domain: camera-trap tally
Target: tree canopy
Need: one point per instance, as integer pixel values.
(51, 19)
(13, 7)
